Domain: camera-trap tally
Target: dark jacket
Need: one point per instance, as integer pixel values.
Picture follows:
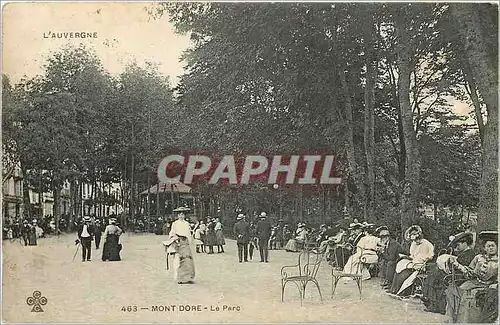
(465, 257)
(241, 231)
(392, 251)
(90, 229)
(264, 229)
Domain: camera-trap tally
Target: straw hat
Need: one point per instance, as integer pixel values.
(182, 209)
(355, 225)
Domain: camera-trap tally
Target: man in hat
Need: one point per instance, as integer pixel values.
(85, 233)
(323, 235)
(389, 250)
(482, 274)
(263, 233)
(25, 231)
(241, 231)
(434, 286)
(98, 233)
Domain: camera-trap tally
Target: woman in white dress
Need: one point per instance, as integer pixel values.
(180, 235)
(300, 239)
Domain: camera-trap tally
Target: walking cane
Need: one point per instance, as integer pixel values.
(77, 248)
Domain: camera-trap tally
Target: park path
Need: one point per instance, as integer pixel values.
(97, 291)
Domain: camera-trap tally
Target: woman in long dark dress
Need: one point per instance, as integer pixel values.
(112, 247)
(32, 234)
(219, 236)
(210, 237)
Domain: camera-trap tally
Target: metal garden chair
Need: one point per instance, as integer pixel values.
(302, 273)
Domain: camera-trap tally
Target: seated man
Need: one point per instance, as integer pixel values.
(421, 251)
(434, 285)
(322, 235)
(482, 273)
(366, 252)
(389, 251)
(335, 247)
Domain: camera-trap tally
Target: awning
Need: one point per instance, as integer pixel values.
(168, 188)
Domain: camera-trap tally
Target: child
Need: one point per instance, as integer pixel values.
(197, 240)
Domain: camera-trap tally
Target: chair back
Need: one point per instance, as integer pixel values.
(341, 254)
(309, 263)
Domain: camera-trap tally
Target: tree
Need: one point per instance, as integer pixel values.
(477, 25)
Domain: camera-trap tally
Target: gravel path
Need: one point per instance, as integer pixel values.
(97, 291)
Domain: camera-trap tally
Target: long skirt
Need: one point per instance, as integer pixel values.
(219, 236)
(339, 256)
(292, 246)
(433, 290)
(210, 239)
(32, 238)
(468, 311)
(183, 262)
(111, 249)
(398, 280)
(354, 266)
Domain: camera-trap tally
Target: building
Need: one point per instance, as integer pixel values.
(43, 203)
(12, 196)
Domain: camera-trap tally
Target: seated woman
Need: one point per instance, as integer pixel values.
(482, 273)
(421, 251)
(112, 247)
(434, 285)
(366, 252)
(299, 240)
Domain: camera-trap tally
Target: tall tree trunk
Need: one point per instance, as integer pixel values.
(402, 148)
(369, 129)
(354, 170)
(40, 192)
(484, 68)
(72, 201)
(471, 90)
(26, 194)
(56, 192)
(132, 176)
(410, 189)
(158, 198)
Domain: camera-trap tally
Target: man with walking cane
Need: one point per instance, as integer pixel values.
(85, 233)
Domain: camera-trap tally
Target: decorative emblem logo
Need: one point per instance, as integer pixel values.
(37, 301)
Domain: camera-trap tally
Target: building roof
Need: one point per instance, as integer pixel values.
(168, 188)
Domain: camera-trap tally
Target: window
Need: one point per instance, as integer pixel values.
(18, 188)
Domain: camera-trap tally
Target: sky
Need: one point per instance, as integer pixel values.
(124, 33)
(124, 30)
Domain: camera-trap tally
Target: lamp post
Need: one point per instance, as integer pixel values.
(280, 198)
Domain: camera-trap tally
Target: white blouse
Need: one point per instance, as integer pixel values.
(421, 253)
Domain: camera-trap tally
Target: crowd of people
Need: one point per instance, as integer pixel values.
(99, 230)
(460, 280)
